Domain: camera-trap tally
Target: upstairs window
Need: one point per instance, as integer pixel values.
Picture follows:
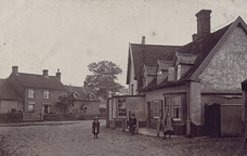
(30, 93)
(46, 94)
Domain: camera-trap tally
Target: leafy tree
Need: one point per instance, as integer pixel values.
(65, 102)
(103, 78)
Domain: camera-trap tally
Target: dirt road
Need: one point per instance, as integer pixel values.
(75, 139)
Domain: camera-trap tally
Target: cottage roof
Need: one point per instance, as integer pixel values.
(83, 93)
(148, 54)
(39, 81)
(6, 91)
(164, 65)
(202, 50)
(151, 70)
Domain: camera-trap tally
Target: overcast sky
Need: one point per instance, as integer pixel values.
(70, 34)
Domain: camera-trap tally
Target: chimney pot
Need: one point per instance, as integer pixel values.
(143, 40)
(203, 22)
(15, 69)
(45, 72)
(58, 75)
(194, 37)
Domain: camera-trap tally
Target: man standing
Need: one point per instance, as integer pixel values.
(95, 127)
(132, 124)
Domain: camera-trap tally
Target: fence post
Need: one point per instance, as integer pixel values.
(123, 125)
(137, 126)
(114, 123)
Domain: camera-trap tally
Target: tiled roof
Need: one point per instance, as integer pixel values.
(148, 55)
(83, 93)
(151, 70)
(39, 81)
(202, 47)
(199, 49)
(186, 58)
(164, 65)
(6, 92)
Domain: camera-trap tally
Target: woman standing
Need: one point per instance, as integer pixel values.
(168, 126)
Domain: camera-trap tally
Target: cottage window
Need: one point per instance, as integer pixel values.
(176, 103)
(30, 107)
(30, 93)
(121, 103)
(156, 107)
(46, 94)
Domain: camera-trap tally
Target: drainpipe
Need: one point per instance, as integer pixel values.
(188, 120)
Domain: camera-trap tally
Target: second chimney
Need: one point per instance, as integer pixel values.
(58, 75)
(15, 69)
(45, 72)
(203, 23)
(143, 40)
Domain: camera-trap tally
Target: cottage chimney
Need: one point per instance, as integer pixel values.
(203, 23)
(143, 40)
(58, 75)
(45, 72)
(15, 69)
(194, 37)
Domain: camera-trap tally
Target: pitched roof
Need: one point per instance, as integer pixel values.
(201, 47)
(39, 81)
(6, 91)
(151, 70)
(148, 55)
(82, 92)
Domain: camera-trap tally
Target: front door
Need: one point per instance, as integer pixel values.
(46, 109)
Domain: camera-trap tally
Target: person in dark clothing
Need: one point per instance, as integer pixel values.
(132, 124)
(168, 126)
(96, 127)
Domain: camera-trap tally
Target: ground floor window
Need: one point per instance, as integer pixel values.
(156, 108)
(121, 104)
(176, 102)
(30, 107)
(173, 105)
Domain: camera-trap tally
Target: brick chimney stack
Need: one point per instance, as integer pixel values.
(45, 72)
(203, 23)
(15, 69)
(143, 40)
(58, 75)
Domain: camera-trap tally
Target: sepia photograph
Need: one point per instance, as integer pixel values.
(123, 78)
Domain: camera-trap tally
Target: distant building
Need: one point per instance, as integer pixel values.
(86, 104)
(187, 80)
(37, 97)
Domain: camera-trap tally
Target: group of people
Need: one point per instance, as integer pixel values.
(167, 126)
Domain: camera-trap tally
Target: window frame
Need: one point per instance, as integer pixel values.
(33, 107)
(122, 110)
(30, 93)
(176, 106)
(46, 94)
(156, 108)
